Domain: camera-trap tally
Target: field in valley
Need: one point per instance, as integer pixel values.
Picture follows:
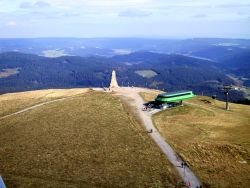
(91, 139)
(214, 142)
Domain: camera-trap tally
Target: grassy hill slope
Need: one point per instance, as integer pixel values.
(89, 140)
(214, 142)
(13, 102)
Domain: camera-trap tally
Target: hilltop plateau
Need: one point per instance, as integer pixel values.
(77, 138)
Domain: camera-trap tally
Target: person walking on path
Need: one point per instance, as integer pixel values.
(150, 131)
(182, 164)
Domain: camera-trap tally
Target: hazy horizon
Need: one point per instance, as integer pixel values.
(156, 19)
(127, 37)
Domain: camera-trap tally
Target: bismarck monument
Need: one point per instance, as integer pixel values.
(113, 83)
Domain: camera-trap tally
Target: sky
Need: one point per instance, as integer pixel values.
(125, 18)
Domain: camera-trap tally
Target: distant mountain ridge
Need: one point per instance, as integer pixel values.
(118, 46)
(200, 64)
(170, 72)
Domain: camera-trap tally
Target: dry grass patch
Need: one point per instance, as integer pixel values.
(214, 142)
(146, 73)
(13, 102)
(149, 96)
(86, 141)
(8, 72)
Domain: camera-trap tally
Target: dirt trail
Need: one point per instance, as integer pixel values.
(36, 106)
(186, 174)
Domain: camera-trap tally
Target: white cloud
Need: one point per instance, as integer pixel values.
(11, 23)
(134, 13)
(106, 17)
(200, 16)
(37, 4)
(41, 4)
(235, 5)
(101, 3)
(25, 5)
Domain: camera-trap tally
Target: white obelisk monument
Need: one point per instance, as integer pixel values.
(113, 83)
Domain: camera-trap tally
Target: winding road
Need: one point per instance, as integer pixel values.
(186, 173)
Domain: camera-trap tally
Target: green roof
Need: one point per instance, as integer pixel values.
(173, 93)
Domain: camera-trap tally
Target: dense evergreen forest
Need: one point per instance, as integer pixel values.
(171, 72)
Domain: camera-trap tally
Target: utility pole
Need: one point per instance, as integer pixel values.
(226, 91)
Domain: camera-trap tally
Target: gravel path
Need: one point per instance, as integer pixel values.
(186, 174)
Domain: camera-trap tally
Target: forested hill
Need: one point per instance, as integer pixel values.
(20, 72)
(36, 72)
